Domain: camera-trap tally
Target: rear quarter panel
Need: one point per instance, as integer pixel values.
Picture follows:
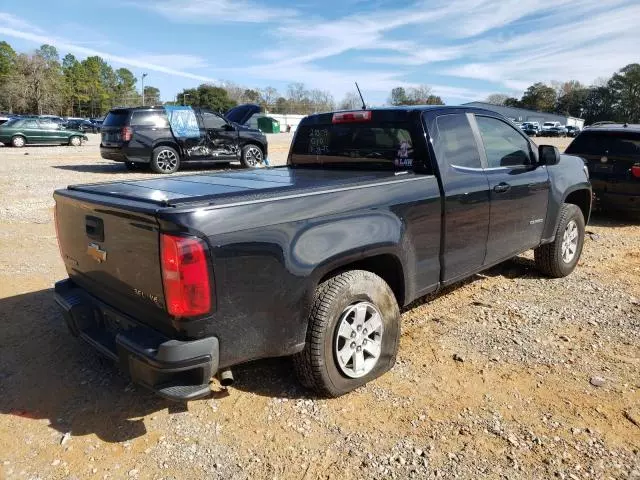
(269, 256)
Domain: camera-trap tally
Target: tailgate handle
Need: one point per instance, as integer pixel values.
(94, 228)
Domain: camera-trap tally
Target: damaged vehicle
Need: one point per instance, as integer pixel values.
(181, 279)
(162, 138)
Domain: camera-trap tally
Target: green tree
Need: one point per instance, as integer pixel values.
(625, 88)
(599, 105)
(151, 95)
(539, 97)
(398, 96)
(497, 98)
(207, 96)
(9, 77)
(512, 102)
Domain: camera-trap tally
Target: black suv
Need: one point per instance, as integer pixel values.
(164, 137)
(612, 154)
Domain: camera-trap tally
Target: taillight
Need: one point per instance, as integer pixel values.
(635, 171)
(185, 276)
(126, 134)
(350, 117)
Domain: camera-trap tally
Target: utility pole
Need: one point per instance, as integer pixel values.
(184, 99)
(143, 75)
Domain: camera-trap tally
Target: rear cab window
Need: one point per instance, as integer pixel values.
(373, 144)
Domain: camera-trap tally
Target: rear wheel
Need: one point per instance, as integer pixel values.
(559, 258)
(75, 141)
(353, 334)
(18, 141)
(252, 156)
(165, 160)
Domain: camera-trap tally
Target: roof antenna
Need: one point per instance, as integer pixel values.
(364, 106)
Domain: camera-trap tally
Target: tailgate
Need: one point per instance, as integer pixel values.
(114, 254)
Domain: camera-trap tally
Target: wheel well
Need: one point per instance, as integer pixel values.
(582, 199)
(386, 266)
(166, 144)
(254, 143)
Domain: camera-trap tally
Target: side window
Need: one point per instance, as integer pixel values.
(30, 124)
(504, 146)
(48, 125)
(213, 121)
(456, 141)
(156, 119)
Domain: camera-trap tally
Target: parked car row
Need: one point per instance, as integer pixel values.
(20, 131)
(549, 129)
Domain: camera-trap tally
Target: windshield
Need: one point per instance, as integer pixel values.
(549, 124)
(387, 146)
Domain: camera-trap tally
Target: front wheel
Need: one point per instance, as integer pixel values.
(18, 141)
(165, 160)
(252, 156)
(352, 336)
(559, 258)
(75, 141)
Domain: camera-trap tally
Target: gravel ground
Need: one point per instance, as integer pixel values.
(506, 375)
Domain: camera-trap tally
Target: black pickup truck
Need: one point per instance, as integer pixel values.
(180, 279)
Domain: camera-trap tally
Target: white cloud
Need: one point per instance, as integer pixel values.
(11, 21)
(140, 63)
(217, 11)
(175, 61)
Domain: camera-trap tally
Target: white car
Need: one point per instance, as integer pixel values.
(550, 125)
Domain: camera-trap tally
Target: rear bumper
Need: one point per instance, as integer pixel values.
(177, 370)
(113, 153)
(617, 195)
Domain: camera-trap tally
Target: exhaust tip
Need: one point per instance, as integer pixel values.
(226, 378)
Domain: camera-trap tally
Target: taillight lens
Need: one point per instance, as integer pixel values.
(352, 117)
(635, 171)
(185, 276)
(126, 134)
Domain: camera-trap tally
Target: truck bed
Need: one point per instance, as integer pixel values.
(234, 186)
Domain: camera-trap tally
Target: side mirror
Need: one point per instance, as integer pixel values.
(228, 127)
(548, 155)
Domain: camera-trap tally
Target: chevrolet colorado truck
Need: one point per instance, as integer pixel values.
(180, 279)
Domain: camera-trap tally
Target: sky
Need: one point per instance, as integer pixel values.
(463, 49)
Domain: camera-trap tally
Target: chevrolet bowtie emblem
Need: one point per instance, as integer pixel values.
(95, 252)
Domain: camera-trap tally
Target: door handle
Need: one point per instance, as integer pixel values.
(502, 187)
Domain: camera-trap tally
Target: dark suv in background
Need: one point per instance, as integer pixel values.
(164, 137)
(612, 154)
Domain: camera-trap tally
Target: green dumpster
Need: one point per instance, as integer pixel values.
(268, 125)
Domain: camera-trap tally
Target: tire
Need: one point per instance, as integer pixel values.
(558, 259)
(335, 305)
(18, 141)
(165, 160)
(252, 156)
(75, 141)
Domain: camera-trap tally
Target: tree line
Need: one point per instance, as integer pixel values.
(615, 99)
(40, 82)
(297, 99)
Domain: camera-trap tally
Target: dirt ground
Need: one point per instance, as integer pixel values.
(545, 384)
